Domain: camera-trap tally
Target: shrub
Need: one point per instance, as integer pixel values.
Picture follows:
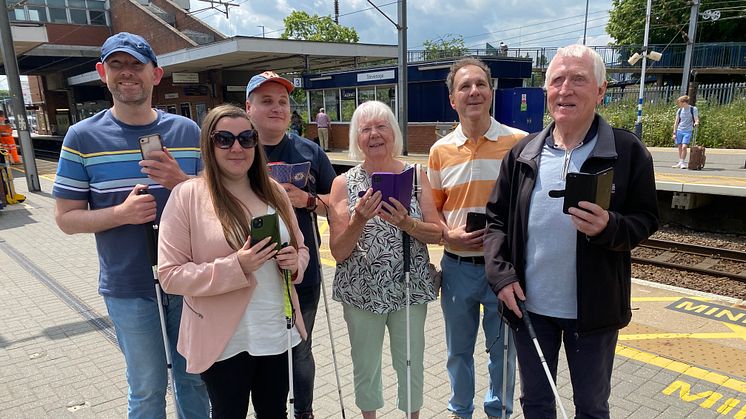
(721, 126)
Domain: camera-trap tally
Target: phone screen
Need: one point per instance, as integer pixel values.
(150, 143)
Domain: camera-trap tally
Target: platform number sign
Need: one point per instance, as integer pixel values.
(297, 82)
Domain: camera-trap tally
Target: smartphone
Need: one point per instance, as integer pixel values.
(475, 221)
(266, 226)
(150, 143)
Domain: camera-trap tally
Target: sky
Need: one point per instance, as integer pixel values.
(518, 23)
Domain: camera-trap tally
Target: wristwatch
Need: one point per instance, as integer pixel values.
(311, 202)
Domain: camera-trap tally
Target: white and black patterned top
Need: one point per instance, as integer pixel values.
(372, 277)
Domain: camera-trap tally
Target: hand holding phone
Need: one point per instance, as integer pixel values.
(475, 221)
(150, 143)
(266, 226)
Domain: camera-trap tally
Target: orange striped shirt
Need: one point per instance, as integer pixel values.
(463, 173)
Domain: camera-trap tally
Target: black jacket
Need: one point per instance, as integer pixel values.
(603, 262)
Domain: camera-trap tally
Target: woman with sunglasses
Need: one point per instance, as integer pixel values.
(233, 327)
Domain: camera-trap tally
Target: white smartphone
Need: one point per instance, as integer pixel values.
(150, 143)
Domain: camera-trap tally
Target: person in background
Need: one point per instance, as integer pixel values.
(322, 127)
(98, 190)
(296, 124)
(687, 118)
(268, 106)
(366, 241)
(7, 142)
(234, 330)
(463, 167)
(573, 271)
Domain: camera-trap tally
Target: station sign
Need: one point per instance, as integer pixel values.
(376, 75)
(185, 78)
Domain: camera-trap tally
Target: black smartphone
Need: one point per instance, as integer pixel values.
(150, 143)
(266, 226)
(475, 221)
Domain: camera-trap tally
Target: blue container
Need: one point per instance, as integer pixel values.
(521, 107)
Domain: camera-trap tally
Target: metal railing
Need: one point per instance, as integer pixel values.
(716, 93)
(705, 55)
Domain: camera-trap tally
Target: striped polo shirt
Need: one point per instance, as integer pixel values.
(99, 164)
(463, 173)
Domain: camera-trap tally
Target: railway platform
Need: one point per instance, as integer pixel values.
(681, 357)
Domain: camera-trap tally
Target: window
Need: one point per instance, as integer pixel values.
(171, 109)
(57, 15)
(348, 103)
(56, 3)
(78, 16)
(317, 101)
(96, 5)
(331, 100)
(365, 94)
(186, 110)
(37, 14)
(97, 17)
(387, 95)
(17, 14)
(76, 3)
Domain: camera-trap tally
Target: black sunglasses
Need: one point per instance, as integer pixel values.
(225, 139)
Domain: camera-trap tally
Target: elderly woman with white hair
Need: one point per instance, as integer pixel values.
(366, 240)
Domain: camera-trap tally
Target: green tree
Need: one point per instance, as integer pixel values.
(300, 25)
(669, 20)
(446, 46)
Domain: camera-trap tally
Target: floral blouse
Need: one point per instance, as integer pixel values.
(372, 277)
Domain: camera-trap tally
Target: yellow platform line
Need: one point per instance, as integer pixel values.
(47, 177)
(664, 299)
(681, 368)
(648, 336)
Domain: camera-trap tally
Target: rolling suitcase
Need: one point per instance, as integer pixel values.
(696, 155)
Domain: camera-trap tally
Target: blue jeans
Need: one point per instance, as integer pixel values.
(590, 359)
(463, 289)
(138, 330)
(304, 366)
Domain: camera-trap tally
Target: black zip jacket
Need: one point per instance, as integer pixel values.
(603, 262)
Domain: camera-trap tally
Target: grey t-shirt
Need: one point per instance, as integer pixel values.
(687, 116)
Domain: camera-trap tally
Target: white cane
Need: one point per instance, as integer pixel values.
(405, 243)
(288, 303)
(152, 239)
(326, 309)
(532, 334)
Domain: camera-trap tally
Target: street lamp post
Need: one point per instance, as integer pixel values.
(638, 124)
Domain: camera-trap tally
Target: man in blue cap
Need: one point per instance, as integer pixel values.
(268, 106)
(97, 190)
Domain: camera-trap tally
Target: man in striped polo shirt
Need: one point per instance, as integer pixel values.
(99, 175)
(463, 169)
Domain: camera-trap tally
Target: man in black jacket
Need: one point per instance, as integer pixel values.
(572, 270)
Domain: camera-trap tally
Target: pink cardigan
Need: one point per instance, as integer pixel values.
(195, 260)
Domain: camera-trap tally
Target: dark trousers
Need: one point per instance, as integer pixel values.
(304, 366)
(231, 382)
(590, 358)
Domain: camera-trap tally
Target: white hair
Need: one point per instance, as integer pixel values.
(580, 51)
(367, 111)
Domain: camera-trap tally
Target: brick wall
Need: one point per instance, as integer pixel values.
(67, 34)
(186, 21)
(128, 16)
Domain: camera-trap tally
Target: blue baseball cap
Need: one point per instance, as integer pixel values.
(134, 45)
(265, 77)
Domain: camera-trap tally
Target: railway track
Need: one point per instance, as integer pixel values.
(692, 258)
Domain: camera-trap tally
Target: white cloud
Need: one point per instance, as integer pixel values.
(519, 23)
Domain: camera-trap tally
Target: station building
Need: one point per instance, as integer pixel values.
(58, 44)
